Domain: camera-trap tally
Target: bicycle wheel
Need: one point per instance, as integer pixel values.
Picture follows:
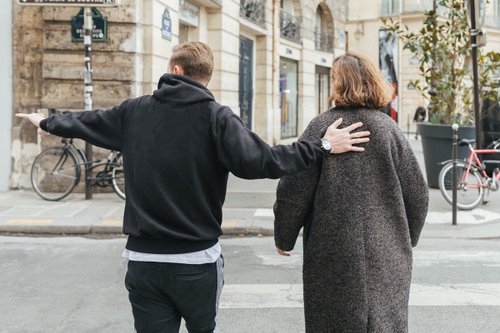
(118, 177)
(469, 188)
(55, 173)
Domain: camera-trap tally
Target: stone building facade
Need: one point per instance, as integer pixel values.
(272, 61)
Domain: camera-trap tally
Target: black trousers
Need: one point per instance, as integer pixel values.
(163, 293)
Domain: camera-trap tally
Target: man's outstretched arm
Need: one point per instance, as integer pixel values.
(100, 128)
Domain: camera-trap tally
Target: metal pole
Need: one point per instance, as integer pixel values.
(473, 36)
(454, 127)
(275, 75)
(432, 89)
(88, 25)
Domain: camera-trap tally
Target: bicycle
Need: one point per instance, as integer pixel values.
(471, 177)
(56, 171)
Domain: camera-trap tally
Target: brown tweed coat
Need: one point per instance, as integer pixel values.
(362, 213)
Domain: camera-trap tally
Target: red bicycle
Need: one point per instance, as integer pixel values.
(471, 177)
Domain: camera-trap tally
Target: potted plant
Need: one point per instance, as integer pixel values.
(443, 49)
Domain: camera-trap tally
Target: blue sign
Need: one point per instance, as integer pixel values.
(166, 25)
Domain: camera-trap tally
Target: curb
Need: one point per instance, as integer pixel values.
(60, 229)
(110, 230)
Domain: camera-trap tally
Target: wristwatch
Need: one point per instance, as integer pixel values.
(326, 145)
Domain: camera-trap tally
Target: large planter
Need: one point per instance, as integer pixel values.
(437, 144)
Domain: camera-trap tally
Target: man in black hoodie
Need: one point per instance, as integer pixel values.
(178, 147)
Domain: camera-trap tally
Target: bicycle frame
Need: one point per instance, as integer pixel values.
(108, 163)
(474, 161)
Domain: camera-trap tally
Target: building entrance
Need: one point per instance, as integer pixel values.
(246, 81)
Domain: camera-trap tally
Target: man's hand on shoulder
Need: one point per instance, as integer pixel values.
(343, 140)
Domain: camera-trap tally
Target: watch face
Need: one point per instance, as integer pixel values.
(326, 145)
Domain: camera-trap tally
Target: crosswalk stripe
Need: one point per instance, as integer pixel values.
(456, 294)
(477, 216)
(252, 296)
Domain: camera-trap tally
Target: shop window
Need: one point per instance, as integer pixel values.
(288, 97)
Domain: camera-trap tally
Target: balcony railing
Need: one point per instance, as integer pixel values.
(289, 26)
(323, 41)
(492, 21)
(254, 11)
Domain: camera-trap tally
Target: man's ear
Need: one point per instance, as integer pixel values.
(178, 70)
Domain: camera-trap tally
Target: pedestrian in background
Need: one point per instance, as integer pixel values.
(178, 146)
(361, 214)
(420, 114)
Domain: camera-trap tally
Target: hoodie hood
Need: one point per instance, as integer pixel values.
(181, 90)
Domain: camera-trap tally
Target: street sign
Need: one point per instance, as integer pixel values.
(166, 25)
(79, 3)
(99, 31)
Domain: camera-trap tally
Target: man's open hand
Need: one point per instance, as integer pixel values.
(343, 140)
(35, 119)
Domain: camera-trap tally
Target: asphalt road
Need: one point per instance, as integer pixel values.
(72, 284)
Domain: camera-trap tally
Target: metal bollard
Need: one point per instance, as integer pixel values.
(454, 127)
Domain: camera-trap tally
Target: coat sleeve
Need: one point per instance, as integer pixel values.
(414, 189)
(294, 199)
(102, 128)
(247, 156)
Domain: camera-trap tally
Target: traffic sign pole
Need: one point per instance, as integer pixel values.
(88, 26)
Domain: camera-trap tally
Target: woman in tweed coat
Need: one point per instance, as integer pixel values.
(361, 212)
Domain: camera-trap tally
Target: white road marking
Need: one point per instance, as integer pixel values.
(427, 258)
(253, 296)
(264, 212)
(476, 216)
(462, 294)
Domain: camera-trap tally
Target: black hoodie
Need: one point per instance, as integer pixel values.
(178, 147)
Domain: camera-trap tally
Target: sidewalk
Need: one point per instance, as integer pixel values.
(247, 211)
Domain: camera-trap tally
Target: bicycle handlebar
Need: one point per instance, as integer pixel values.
(469, 142)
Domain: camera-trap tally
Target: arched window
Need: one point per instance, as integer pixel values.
(324, 30)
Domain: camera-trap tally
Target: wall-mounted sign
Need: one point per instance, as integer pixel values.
(166, 25)
(99, 32)
(79, 3)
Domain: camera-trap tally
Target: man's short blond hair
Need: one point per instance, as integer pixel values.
(195, 58)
